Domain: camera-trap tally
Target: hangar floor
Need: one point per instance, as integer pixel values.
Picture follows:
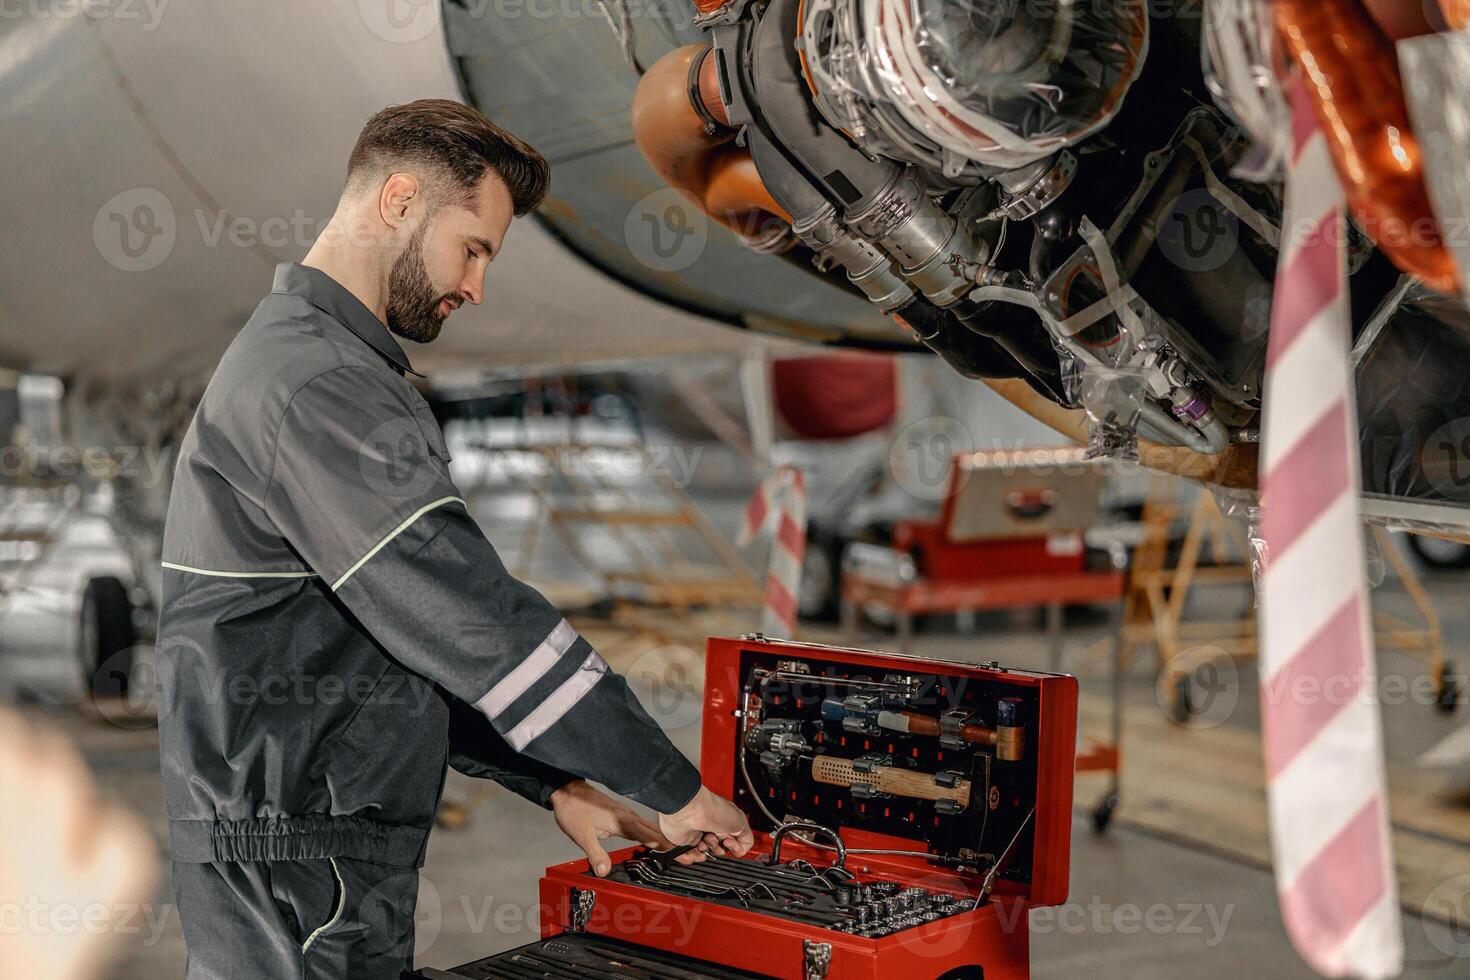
(1178, 886)
(1169, 891)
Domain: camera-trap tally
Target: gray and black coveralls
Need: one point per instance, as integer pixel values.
(335, 628)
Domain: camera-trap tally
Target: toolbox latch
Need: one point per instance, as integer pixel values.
(817, 959)
(580, 903)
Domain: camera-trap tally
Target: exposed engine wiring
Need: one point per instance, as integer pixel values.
(621, 24)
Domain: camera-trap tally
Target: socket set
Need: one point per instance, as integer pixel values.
(830, 898)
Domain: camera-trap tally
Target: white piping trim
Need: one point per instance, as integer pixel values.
(562, 700)
(391, 535)
(210, 572)
(528, 671)
(336, 916)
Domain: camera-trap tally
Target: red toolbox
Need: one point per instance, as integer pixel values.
(949, 787)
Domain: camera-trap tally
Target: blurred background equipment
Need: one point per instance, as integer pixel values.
(1019, 222)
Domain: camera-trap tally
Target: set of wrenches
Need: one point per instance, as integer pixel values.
(832, 897)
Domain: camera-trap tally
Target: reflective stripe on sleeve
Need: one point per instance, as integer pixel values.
(562, 700)
(390, 536)
(528, 671)
(215, 574)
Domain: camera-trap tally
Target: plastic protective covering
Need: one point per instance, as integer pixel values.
(1240, 58)
(1436, 72)
(1244, 507)
(1414, 410)
(1413, 424)
(1105, 361)
(1102, 343)
(969, 87)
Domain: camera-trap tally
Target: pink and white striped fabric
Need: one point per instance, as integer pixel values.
(779, 500)
(1320, 716)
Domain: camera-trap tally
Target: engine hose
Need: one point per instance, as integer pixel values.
(678, 126)
(1019, 331)
(971, 355)
(1351, 73)
(1049, 228)
(1039, 258)
(1210, 441)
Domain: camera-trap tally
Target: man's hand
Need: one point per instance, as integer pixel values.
(589, 817)
(713, 822)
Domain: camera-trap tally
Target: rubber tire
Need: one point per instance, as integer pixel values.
(1451, 685)
(1455, 561)
(826, 606)
(1102, 813)
(1183, 701)
(106, 638)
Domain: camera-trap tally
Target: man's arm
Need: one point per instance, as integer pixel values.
(360, 488)
(476, 749)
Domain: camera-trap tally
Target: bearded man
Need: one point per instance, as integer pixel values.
(335, 627)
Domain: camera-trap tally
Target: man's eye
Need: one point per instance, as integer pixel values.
(470, 252)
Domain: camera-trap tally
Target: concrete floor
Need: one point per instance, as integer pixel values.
(1141, 907)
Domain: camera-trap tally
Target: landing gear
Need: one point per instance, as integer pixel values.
(1102, 813)
(1450, 685)
(106, 638)
(1183, 706)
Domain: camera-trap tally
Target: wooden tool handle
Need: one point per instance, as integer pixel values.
(917, 724)
(893, 780)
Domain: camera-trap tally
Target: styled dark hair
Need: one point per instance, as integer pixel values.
(456, 144)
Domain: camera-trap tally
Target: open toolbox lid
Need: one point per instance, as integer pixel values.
(817, 732)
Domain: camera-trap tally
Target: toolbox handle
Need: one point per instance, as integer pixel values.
(1031, 505)
(813, 828)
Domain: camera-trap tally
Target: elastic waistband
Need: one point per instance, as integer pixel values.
(297, 838)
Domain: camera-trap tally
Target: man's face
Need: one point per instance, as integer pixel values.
(445, 261)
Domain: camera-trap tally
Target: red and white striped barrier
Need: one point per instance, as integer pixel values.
(779, 501)
(1320, 717)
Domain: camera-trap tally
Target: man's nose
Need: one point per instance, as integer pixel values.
(471, 291)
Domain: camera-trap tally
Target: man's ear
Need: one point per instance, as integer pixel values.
(397, 199)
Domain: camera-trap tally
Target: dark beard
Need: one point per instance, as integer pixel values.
(413, 309)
